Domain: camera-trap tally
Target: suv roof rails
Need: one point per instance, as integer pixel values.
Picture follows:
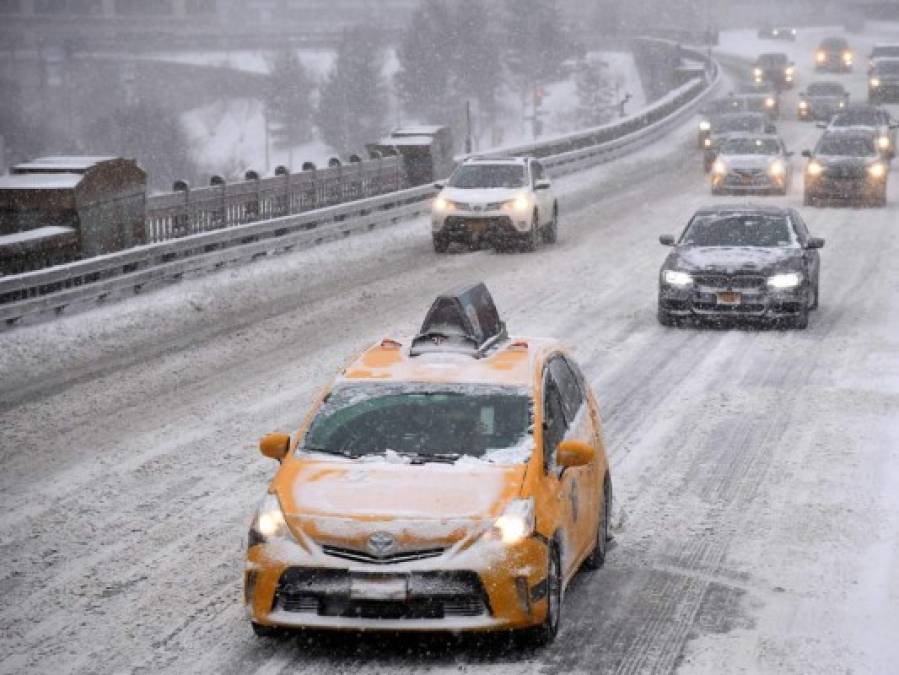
(463, 321)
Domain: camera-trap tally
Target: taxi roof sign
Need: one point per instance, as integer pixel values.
(462, 321)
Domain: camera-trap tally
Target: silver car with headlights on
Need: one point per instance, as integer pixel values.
(505, 202)
(752, 163)
(743, 262)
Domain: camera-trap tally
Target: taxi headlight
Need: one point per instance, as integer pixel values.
(517, 522)
(719, 167)
(814, 168)
(777, 168)
(883, 142)
(442, 204)
(520, 203)
(705, 125)
(675, 278)
(789, 280)
(875, 82)
(877, 170)
(268, 523)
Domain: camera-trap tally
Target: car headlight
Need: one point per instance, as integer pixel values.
(675, 278)
(268, 523)
(789, 280)
(803, 105)
(777, 168)
(877, 170)
(758, 72)
(708, 142)
(822, 57)
(790, 71)
(883, 142)
(705, 125)
(847, 57)
(517, 522)
(442, 204)
(770, 102)
(793, 31)
(875, 82)
(842, 104)
(520, 203)
(814, 168)
(719, 167)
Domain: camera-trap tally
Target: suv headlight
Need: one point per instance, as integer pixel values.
(875, 82)
(520, 203)
(770, 102)
(719, 167)
(268, 523)
(883, 142)
(877, 170)
(517, 522)
(789, 280)
(777, 168)
(443, 204)
(675, 278)
(814, 168)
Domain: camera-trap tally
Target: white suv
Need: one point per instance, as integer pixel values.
(505, 202)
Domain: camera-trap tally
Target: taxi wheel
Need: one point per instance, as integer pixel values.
(598, 557)
(546, 632)
(262, 631)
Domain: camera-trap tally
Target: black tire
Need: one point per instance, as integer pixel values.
(808, 200)
(551, 231)
(665, 318)
(547, 631)
(265, 631)
(597, 557)
(800, 321)
(441, 244)
(881, 200)
(816, 293)
(531, 240)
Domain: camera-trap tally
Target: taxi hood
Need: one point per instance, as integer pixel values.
(383, 491)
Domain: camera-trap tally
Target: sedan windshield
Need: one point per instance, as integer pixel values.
(750, 146)
(738, 229)
(488, 176)
(846, 146)
(825, 89)
(423, 421)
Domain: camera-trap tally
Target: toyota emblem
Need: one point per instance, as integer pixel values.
(381, 544)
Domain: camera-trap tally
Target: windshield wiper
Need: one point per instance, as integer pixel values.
(327, 451)
(441, 458)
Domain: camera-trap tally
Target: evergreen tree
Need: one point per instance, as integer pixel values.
(352, 108)
(535, 41)
(289, 100)
(594, 93)
(477, 64)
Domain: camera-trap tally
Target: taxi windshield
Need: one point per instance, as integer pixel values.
(739, 229)
(426, 422)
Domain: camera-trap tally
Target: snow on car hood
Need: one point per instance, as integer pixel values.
(731, 258)
(481, 195)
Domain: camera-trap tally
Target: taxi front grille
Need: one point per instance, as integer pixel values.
(390, 559)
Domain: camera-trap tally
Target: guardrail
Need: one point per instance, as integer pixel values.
(55, 289)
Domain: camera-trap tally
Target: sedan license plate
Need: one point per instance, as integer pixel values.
(373, 587)
(730, 298)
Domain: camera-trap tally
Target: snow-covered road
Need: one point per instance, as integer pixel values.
(756, 471)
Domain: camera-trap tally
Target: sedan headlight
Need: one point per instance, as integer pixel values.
(814, 168)
(758, 72)
(719, 167)
(268, 523)
(520, 203)
(877, 170)
(789, 280)
(803, 105)
(875, 82)
(517, 522)
(777, 168)
(705, 125)
(883, 142)
(847, 57)
(675, 278)
(770, 102)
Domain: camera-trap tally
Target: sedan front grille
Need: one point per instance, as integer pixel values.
(730, 282)
(393, 558)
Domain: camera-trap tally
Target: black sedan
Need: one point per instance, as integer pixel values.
(728, 126)
(741, 262)
(883, 82)
(846, 166)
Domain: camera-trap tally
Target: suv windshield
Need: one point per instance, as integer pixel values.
(772, 60)
(738, 229)
(741, 123)
(846, 146)
(488, 176)
(821, 89)
(426, 421)
(750, 146)
(885, 51)
(887, 67)
(834, 44)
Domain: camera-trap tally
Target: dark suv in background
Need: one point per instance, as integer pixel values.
(834, 55)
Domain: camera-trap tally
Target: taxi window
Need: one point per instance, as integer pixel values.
(572, 397)
(554, 425)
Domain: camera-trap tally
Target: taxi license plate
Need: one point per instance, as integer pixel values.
(729, 298)
(371, 587)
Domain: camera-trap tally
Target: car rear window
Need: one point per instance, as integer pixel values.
(488, 176)
(424, 421)
(739, 229)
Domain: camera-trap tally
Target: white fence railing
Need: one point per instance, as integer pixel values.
(56, 289)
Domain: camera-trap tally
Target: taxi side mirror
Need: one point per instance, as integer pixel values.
(666, 240)
(275, 446)
(572, 454)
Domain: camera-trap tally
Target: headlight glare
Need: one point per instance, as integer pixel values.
(705, 125)
(822, 57)
(875, 82)
(520, 203)
(675, 278)
(443, 204)
(777, 168)
(883, 142)
(789, 280)
(719, 167)
(708, 142)
(877, 170)
(517, 522)
(758, 72)
(803, 105)
(269, 520)
(815, 168)
(770, 102)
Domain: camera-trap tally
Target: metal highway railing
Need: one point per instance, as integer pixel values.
(54, 290)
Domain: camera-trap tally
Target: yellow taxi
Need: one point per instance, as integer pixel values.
(455, 481)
